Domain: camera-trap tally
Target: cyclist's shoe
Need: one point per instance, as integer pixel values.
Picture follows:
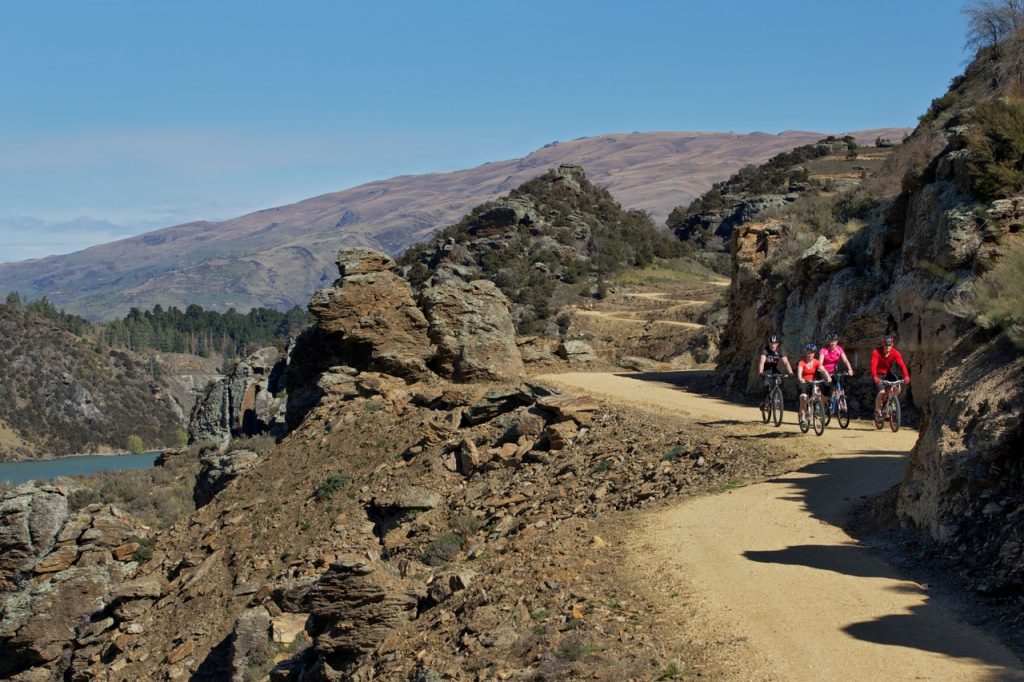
(803, 422)
(878, 416)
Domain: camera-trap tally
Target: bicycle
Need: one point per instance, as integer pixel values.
(771, 406)
(891, 410)
(816, 406)
(837, 404)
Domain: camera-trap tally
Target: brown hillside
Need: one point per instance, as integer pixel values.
(279, 256)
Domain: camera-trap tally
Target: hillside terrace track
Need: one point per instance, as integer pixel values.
(767, 572)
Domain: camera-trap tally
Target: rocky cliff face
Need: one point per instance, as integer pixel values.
(247, 402)
(65, 582)
(906, 272)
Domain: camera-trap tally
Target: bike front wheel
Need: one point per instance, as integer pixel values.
(777, 407)
(818, 417)
(843, 416)
(895, 413)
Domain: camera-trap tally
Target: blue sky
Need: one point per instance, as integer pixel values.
(121, 116)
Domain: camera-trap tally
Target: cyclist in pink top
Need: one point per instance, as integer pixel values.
(830, 356)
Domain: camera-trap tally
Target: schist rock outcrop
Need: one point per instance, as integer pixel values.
(552, 240)
(66, 582)
(907, 254)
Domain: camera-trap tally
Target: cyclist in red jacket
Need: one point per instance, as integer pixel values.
(882, 360)
(807, 371)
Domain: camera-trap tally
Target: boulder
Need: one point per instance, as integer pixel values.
(31, 517)
(472, 327)
(576, 351)
(537, 348)
(38, 624)
(370, 318)
(250, 644)
(353, 607)
(219, 469)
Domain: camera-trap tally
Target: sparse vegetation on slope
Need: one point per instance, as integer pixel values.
(62, 395)
(555, 239)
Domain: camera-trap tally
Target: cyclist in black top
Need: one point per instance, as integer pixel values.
(771, 356)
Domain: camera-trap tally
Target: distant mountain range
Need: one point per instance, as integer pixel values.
(277, 257)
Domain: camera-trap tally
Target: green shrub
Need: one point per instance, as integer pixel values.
(998, 296)
(331, 485)
(134, 444)
(443, 549)
(465, 525)
(673, 454)
(996, 141)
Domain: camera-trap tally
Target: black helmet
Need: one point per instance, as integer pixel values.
(887, 340)
(811, 348)
(774, 338)
(831, 336)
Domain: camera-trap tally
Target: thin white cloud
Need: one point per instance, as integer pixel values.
(23, 237)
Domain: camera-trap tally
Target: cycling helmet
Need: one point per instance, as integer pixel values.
(831, 336)
(774, 338)
(887, 340)
(810, 348)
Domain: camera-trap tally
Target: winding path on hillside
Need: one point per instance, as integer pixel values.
(771, 578)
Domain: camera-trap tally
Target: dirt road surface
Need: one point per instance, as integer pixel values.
(769, 579)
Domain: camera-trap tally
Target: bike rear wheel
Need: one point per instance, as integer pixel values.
(844, 414)
(777, 406)
(818, 416)
(828, 412)
(766, 409)
(895, 413)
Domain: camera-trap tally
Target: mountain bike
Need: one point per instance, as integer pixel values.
(837, 404)
(891, 410)
(816, 406)
(771, 406)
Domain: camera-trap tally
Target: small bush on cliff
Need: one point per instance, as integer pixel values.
(996, 142)
(442, 550)
(999, 296)
(331, 485)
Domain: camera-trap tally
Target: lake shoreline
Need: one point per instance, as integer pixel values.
(41, 470)
(53, 458)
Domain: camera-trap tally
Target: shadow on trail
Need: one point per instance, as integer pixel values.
(925, 627)
(827, 489)
(845, 559)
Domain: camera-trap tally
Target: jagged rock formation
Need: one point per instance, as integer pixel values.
(246, 402)
(710, 220)
(218, 469)
(370, 317)
(65, 594)
(963, 483)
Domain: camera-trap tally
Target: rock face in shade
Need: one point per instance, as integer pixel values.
(473, 329)
(246, 402)
(370, 318)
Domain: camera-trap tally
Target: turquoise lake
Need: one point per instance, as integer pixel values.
(19, 472)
